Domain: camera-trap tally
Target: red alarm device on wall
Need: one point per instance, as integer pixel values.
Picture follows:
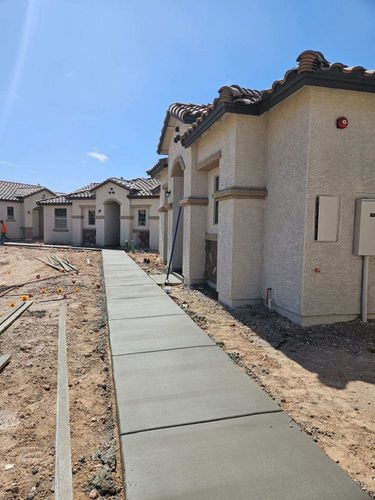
(342, 122)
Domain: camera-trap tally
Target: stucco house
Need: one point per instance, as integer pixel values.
(110, 213)
(20, 210)
(269, 182)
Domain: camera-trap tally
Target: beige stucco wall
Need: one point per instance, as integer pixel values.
(342, 163)
(151, 206)
(58, 236)
(15, 227)
(288, 129)
(296, 152)
(80, 210)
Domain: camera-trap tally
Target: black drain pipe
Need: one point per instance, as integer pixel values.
(174, 243)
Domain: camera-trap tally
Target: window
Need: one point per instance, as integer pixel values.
(60, 218)
(216, 203)
(10, 213)
(91, 217)
(141, 217)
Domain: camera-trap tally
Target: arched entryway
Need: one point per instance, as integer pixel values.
(111, 223)
(177, 174)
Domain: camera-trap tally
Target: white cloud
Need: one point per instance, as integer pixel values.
(8, 164)
(98, 156)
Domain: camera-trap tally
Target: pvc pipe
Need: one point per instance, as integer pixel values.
(364, 295)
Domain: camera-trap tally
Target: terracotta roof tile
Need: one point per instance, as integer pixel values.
(16, 191)
(55, 200)
(138, 188)
(186, 113)
(158, 167)
(309, 62)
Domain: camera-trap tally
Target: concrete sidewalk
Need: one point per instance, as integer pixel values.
(193, 426)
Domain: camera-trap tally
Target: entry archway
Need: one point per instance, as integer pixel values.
(111, 223)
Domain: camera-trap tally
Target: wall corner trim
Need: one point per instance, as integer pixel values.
(192, 200)
(210, 162)
(236, 192)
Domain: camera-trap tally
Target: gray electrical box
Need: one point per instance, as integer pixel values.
(364, 227)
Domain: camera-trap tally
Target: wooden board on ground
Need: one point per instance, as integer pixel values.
(4, 360)
(15, 314)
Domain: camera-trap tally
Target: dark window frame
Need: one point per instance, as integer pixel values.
(142, 217)
(91, 218)
(10, 216)
(216, 203)
(61, 221)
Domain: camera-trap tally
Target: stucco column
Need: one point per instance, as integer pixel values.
(194, 256)
(126, 226)
(99, 220)
(240, 246)
(77, 221)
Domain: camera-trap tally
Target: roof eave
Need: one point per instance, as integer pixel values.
(162, 148)
(38, 191)
(295, 82)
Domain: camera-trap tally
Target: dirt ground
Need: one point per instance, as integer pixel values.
(322, 376)
(28, 382)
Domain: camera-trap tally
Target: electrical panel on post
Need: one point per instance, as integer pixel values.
(364, 227)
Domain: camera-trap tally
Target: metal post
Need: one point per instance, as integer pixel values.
(174, 243)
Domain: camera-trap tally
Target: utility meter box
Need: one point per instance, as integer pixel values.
(364, 227)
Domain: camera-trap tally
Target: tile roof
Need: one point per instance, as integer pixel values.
(186, 113)
(55, 200)
(138, 188)
(84, 192)
(158, 167)
(312, 69)
(16, 191)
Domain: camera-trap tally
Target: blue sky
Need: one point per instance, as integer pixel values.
(84, 84)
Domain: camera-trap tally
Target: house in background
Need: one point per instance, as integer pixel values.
(269, 182)
(20, 210)
(111, 213)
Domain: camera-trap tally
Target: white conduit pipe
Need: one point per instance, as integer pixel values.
(364, 298)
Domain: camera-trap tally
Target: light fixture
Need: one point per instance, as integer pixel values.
(167, 193)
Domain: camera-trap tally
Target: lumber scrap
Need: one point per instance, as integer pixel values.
(4, 360)
(10, 313)
(71, 265)
(15, 314)
(49, 264)
(63, 461)
(63, 264)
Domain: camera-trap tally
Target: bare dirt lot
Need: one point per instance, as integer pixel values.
(28, 382)
(322, 376)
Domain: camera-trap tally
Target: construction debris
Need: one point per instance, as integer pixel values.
(4, 360)
(63, 467)
(11, 317)
(59, 264)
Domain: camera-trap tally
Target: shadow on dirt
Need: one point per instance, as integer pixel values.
(338, 353)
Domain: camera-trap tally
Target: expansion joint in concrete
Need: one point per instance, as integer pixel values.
(163, 350)
(198, 422)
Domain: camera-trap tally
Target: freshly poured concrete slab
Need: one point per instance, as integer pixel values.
(125, 271)
(251, 458)
(183, 386)
(154, 334)
(148, 289)
(124, 280)
(143, 307)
